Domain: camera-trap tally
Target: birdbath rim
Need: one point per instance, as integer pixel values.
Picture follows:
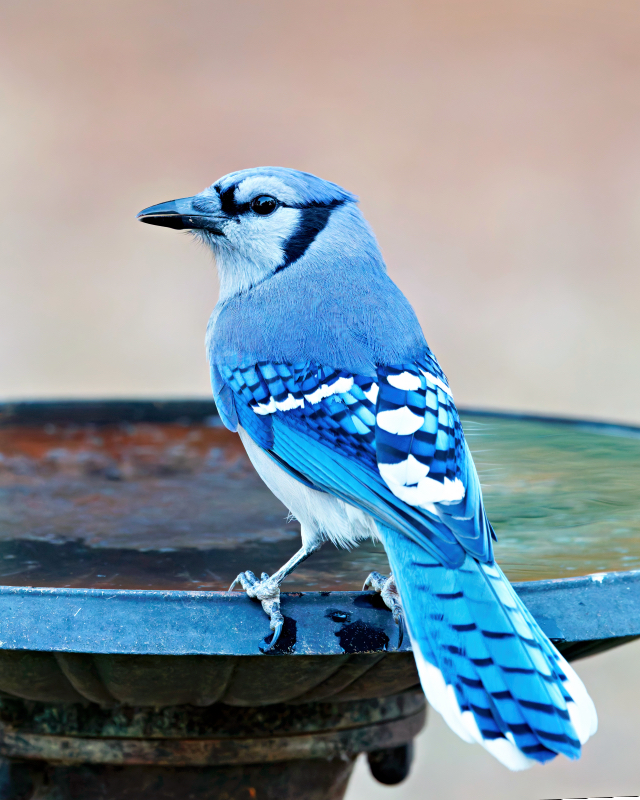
(598, 609)
(595, 611)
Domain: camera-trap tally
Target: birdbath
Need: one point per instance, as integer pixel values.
(127, 669)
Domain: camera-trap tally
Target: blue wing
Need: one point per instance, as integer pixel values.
(391, 445)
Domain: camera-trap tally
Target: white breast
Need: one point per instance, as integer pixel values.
(321, 515)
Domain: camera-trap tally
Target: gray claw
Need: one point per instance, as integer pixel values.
(375, 581)
(246, 579)
(277, 623)
(401, 625)
(387, 589)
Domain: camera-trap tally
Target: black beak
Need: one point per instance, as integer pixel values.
(180, 215)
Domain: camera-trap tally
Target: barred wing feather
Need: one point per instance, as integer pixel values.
(398, 436)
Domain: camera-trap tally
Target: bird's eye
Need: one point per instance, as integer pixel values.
(264, 205)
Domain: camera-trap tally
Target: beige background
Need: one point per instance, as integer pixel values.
(496, 149)
(495, 146)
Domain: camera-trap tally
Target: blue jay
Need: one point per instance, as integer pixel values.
(319, 363)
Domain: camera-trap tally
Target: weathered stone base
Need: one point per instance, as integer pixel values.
(280, 752)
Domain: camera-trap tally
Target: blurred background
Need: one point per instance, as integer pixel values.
(496, 149)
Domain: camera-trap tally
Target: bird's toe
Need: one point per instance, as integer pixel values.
(375, 581)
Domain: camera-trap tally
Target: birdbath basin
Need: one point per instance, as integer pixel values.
(128, 670)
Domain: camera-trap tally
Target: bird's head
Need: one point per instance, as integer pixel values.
(257, 221)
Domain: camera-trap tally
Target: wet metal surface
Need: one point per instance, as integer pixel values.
(170, 502)
(142, 506)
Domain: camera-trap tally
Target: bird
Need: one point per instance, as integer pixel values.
(320, 364)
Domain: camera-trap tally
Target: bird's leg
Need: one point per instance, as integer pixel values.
(388, 591)
(267, 589)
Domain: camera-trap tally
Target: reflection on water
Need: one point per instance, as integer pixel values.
(564, 499)
(176, 506)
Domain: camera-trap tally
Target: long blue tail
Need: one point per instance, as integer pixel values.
(483, 661)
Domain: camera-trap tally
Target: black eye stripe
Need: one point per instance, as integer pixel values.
(312, 220)
(314, 217)
(227, 201)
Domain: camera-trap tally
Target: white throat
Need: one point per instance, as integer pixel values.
(252, 249)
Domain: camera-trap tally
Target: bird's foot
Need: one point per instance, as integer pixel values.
(267, 591)
(388, 591)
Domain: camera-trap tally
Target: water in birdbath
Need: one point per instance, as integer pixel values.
(178, 506)
(564, 498)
